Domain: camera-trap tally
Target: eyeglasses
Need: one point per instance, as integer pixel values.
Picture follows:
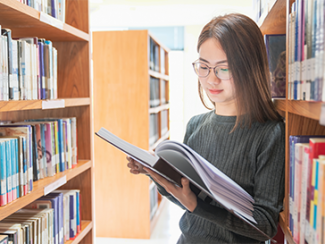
(203, 70)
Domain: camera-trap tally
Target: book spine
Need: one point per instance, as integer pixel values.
(3, 175)
(13, 168)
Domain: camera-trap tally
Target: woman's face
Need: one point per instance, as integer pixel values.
(219, 91)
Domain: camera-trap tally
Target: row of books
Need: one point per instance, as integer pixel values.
(276, 53)
(53, 219)
(33, 150)
(54, 8)
(28, 68)
(153, 128)
(153, 193)
(158, 92)
(260, 7)
(154, 125)
(157, 58)
(307, 189)
(306, 51)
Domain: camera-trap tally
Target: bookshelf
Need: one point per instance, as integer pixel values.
(72, 41)
(123, 70)
(302, 117)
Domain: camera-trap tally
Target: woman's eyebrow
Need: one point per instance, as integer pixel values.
(222, 61)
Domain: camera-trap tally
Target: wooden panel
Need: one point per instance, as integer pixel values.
(73, 69)
(83, 123)
(121, 104)
(25, 21)
(275, 21)
(299, 125)
(78, 16)
(38, 188)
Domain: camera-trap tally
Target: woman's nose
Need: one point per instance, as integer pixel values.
(213, 79)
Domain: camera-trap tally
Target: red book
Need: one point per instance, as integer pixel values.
(316, 148)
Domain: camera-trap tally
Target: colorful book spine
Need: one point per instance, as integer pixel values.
(9, 171)
(3, 174)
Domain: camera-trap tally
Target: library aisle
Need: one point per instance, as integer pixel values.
(166, 230)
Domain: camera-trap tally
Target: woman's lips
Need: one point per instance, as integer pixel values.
(215, 91)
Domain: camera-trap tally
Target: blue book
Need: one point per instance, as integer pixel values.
(25, 165)
(9, 171)
(78, 211)
(60, 215)
(41, 69)
(72, 216)
(3, 174)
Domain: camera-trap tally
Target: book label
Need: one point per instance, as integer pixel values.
(52, 104)
(51, 187)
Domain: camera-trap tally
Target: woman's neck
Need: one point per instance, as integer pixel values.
(228, 110)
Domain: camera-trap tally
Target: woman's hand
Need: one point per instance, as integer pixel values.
(184, 195)
(135, 167)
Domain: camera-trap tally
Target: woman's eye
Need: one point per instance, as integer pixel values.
(203, 67)
(224, 70)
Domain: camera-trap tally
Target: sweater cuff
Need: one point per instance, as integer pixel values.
(210, 212)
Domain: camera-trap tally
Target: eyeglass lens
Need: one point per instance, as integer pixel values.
(203, 70)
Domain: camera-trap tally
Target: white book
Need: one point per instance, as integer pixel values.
(55, 73)
(304, 183)
(174, 160)
(5, 69)
(14, 79)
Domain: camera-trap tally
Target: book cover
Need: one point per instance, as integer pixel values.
(173, 160)
(276, 53)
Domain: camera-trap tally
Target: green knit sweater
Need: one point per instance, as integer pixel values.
(255, 159)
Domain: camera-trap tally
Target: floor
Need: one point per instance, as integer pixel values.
(165, 232)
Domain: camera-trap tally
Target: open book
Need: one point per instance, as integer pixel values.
(174, 160)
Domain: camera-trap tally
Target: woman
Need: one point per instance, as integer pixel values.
(243, 136)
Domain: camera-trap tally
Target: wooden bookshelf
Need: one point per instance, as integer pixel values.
(72, 40)
(274, 21)
(301, 117)
(122, 73)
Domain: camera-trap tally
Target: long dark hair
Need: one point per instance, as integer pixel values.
(242, 41)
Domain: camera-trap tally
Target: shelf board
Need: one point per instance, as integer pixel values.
(308, 109)
(38, 188)
(25, 21)
(158, 75)
(86, 226)
(7, 106)
(159, 108)
(305, 108)
(285, 229)
(274, 21)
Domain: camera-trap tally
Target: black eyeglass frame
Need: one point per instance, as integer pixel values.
(214, 69)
